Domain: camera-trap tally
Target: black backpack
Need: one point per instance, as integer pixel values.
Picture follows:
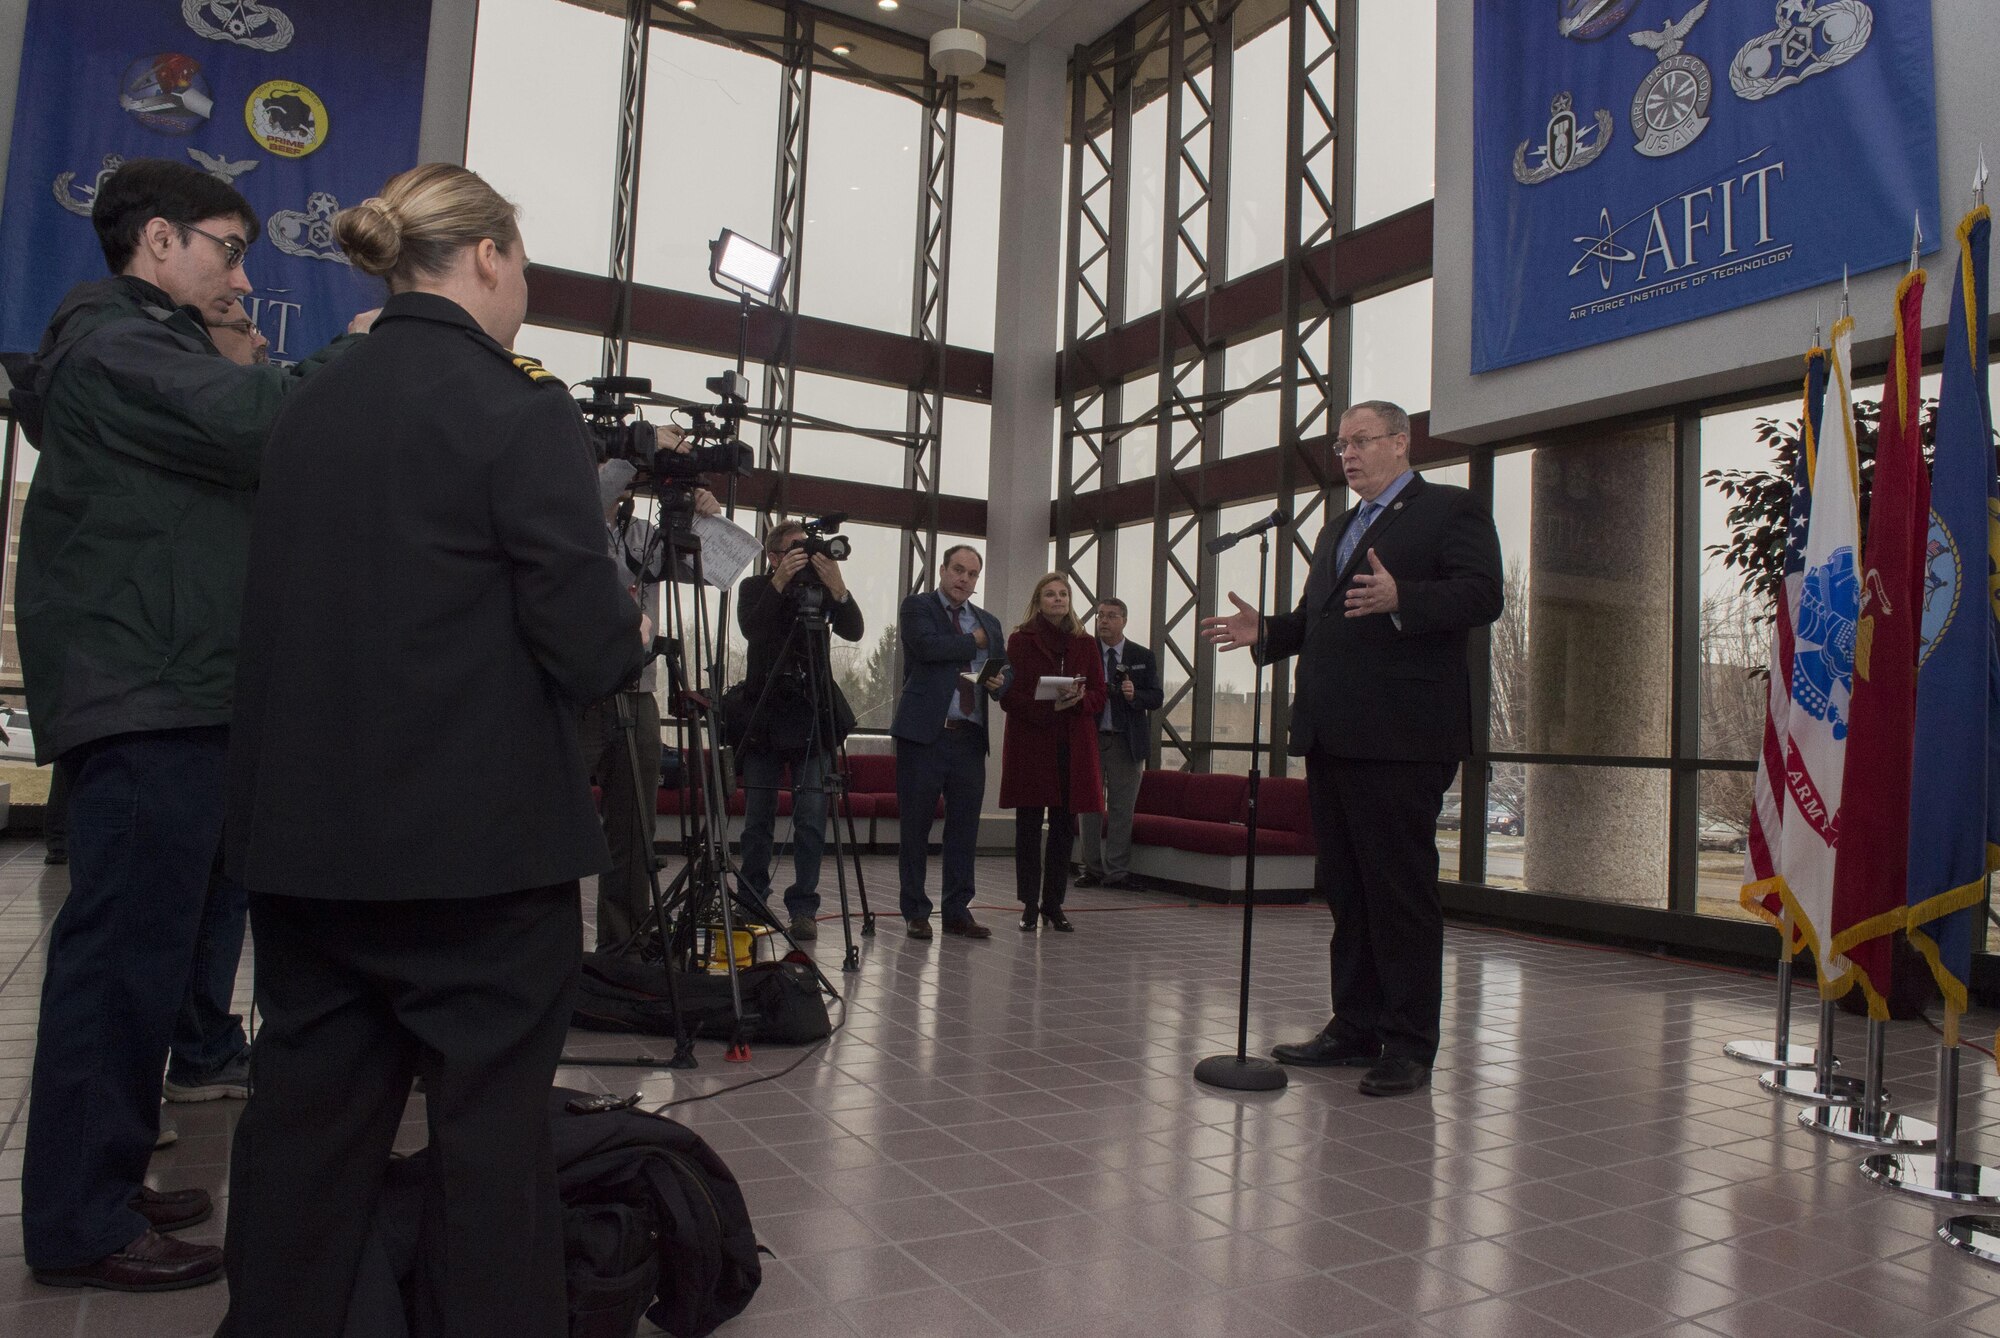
(653, 1224)
(782, 1003)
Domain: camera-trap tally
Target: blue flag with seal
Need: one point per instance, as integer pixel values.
(1639, 163)
(1953, 798)
(305, 106)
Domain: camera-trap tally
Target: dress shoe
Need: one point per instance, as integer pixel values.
(804, 929)
(1029, 915)
(1087, 879)
(172, 1209)
(967, 928)
(1057, 921)
(1325, 1052)
(152, 1263)
(920, 929)
(1395, 1076)
(1120, 883)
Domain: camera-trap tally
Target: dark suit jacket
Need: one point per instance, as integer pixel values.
(1368, 688)
(1129, 718)
(430, 600)
(934, 655)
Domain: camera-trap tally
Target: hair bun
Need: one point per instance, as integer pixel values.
(371, 235)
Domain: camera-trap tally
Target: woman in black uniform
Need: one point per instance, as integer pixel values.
(430, 601)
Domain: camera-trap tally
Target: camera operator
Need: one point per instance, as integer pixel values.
(624, 896)
(800, 583)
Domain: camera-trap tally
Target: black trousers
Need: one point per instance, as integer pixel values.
(1041, 868)
(955, 768)
(360, 997)
(1376, 823)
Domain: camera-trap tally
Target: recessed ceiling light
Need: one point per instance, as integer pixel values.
(842, 49)
(887, 4)
(687, 4)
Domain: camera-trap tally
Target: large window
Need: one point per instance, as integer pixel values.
(859, 252)
(557, 156)
(1395, 156)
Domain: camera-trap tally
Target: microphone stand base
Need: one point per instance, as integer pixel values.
(1240, 1074)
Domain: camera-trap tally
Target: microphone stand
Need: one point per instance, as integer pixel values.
(1239, 1072)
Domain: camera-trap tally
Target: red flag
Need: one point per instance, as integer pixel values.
(1871, 856)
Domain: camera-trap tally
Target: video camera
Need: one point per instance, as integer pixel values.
(822, 538)
(714, 448)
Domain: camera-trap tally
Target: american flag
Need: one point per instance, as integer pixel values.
(1760, 857)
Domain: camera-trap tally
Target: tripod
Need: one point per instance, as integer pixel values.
(807, 643)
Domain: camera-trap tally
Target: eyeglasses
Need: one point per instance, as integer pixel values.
(233, 251)
(242, 327)
(1342, 445)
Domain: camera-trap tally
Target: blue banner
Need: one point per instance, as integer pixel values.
(1640, 163)
(305, 106)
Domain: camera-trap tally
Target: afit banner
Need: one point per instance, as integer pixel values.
(305, 106)
(1640, 163)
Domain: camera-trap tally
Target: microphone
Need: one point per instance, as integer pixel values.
(1224, 542)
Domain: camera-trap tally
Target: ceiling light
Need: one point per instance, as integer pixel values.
(687, 4)
(958, 51)
(842, 49)
(887, 4)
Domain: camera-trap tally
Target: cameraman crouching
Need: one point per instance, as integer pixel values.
(624, 895)
(781, 731)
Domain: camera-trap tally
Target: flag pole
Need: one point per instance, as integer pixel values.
(1940, 1175)
(1870, 1122)
(1820, 1085)
(1778, 1052)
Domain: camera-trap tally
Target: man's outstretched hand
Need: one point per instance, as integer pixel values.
(1235, 630)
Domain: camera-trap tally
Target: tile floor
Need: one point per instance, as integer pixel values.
(1003, 1138)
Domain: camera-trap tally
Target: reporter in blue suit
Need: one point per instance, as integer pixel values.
(941, 737)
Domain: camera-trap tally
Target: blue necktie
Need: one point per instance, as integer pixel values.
(1352, 539)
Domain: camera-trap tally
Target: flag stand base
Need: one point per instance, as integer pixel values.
(1922, 1174)
(1878, 1128)
(1765, 1055)
(1976, 1236)
(1805, 1085)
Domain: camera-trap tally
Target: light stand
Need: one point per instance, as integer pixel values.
(1240, 1072)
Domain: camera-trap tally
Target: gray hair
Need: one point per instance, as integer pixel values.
(1392, 415)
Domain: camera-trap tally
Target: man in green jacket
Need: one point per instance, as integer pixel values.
(129, 594)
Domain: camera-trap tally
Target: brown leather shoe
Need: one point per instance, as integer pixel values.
(918, 929)
(967, 928)
(151, 1263)
(172, 1209)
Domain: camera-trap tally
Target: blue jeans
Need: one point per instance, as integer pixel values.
(206, 1034)
(145, 820)
(760, 774)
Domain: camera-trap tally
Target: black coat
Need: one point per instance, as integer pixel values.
(430, 601)
(783, 724)
(1129, 718)
(1368, 688)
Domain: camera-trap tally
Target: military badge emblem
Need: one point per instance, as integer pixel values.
(1565, 147)
(287, 119)
(221, 168)
(1944, 582)
(244, 22)
(79, 201)
(167, 93)
(1588, 20)
(307, 232)
(1670, 110)
(1811, 38)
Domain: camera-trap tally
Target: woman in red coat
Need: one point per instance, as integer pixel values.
(1048, 764)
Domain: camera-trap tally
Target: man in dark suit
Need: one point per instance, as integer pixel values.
(941, 737)
(1132, 688)
(1382, 715)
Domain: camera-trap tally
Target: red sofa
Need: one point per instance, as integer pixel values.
(1192, 830)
